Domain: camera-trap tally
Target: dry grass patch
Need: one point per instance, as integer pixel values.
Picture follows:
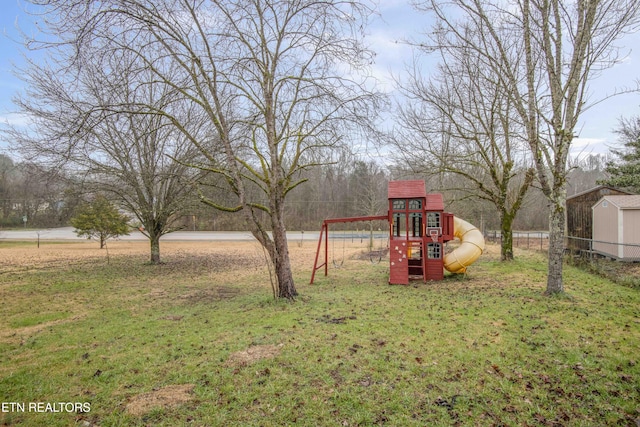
(253, 354)
(166, 397)
(191, 257)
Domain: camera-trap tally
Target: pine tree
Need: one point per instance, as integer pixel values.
(100, 220)
(625, 169)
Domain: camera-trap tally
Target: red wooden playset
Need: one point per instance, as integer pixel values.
(418, 229)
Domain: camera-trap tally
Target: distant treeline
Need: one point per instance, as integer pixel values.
(351, 186)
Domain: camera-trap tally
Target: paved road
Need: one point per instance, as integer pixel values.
(66, 233)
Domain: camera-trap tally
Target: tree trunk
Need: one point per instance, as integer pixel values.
(556, 247)
(155, 248)
(506, 232)
(280, 258)
(276, 246)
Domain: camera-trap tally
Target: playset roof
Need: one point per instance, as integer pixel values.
(415, 189)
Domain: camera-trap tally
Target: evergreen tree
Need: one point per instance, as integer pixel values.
(625, 169)
(100, 220)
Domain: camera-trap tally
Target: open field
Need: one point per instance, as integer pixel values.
(199, 341)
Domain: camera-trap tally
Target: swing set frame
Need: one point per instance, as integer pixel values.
(324, 235)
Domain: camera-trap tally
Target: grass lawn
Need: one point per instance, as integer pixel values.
(199, 341)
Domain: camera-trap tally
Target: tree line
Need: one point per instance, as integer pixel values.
(354, 186)
(252, 108)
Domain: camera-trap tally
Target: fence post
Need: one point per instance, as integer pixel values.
(541, 241)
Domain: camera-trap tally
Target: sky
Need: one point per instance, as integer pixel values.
(9, 54)
(397, 22)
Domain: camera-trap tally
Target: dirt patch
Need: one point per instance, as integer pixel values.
(172, 318)
(253, 354)
(166, 397)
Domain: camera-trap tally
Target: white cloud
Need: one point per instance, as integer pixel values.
(586, 146)
(14, 119)
(391, 55)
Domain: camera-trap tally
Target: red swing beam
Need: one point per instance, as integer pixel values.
(324, 231)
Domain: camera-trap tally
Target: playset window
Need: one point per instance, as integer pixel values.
(433, 219)
(399, 224)
(399, 204)
(434, 250)
(415, 224)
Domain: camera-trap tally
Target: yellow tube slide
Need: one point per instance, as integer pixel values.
(471, 247)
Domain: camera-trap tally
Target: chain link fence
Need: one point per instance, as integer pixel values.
(616, 261)
(577, 246)
(619, 262)
(589, 248)
(532, 240)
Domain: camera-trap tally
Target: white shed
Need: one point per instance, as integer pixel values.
(616, 223)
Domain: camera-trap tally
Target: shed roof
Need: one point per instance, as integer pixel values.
(624, 202)
(410, 189)
(600, 190)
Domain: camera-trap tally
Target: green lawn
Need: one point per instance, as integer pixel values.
(485, 350)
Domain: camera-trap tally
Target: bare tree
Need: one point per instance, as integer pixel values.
(40, 194)
(7, 172)
(585, 172)
(284, 70)
(459, 122)
(544, 53)
(102, 131)
(274, 78)
(369, 190)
